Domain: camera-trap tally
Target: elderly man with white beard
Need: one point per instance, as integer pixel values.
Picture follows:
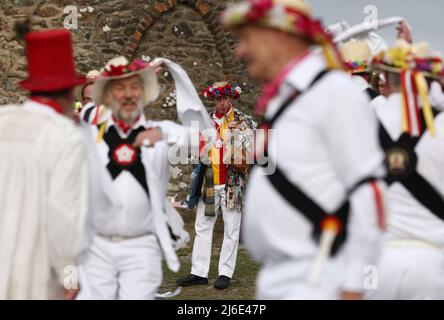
(128, 199)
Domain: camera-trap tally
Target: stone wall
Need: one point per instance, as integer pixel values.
(185, 31)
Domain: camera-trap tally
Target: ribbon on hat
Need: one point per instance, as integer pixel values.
(422, 87)
(331, 53)
(411, 122)
(413, 88)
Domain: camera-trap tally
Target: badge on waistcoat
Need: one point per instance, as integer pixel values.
(398, 161)
(125, 154)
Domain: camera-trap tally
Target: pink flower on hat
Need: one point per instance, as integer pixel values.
(137, 64)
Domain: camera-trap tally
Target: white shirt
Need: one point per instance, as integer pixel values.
(131, 217)
(325, 142)
(43, 200)
(407, 218)
(108, 204)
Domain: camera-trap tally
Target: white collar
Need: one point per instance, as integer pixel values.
(34, 105)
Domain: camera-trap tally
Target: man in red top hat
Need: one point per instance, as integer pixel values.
(43, 177)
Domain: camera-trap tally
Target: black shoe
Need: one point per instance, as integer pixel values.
(192, 280)
(222, 282)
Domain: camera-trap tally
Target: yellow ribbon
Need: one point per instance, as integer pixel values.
(405, 125)
(422, 87)
(101, 132)
(331, 57)
(102, 126)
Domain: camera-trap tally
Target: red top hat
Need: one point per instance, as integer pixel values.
(50, 62)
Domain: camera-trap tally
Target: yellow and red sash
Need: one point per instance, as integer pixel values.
(217, 150)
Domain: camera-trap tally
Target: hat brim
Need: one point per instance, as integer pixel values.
(51, 85)
(360, 72)
(433, 76)
(384, 67)
(149, 78)
(214, 97)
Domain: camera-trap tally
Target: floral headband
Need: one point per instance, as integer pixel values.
(404, 58)
(222, 89)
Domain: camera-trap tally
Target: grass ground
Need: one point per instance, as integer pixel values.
(242, 285)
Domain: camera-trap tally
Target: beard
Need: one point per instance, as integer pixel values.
(128, 116)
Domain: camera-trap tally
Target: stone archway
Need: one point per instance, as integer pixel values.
(210, 17)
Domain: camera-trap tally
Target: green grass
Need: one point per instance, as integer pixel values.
(242, 285)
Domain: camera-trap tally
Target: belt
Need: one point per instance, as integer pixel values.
(409, 243)
(122, 238)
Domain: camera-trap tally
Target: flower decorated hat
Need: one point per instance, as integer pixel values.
(413, 63)
(121, 68)
(404, 56)
(356, 56)
(291, 16)
(222, 89)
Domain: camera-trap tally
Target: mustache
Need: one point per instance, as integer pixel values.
(127, 101)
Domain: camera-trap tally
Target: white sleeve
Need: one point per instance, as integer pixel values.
(351, 130)
(67, 202)
(177, 134)
(159, 157)
(352, 134)
(365, 234)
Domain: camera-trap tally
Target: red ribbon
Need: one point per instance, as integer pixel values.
(123, 125)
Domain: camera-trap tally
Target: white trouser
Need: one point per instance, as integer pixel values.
(204, 227)
(127, 270)
(409, 270)
(288, 280)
